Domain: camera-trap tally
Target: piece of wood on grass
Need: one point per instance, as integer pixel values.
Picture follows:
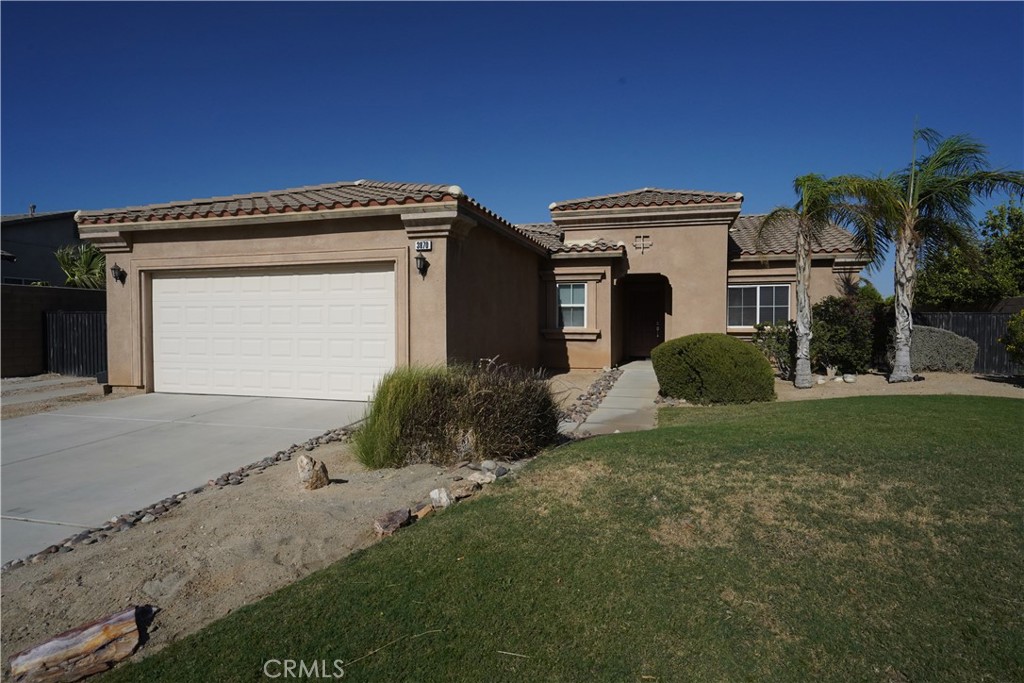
(83, 651)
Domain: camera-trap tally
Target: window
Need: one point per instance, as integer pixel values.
(752, 304)
(572, 304)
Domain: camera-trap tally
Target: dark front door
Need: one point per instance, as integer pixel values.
(645, 316)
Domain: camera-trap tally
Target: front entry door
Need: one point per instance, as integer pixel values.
(645, 306)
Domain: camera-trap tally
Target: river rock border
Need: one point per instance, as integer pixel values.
(150, 513)
(588, 402)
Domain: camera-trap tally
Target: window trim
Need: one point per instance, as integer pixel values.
(559, 306)
(757, 302)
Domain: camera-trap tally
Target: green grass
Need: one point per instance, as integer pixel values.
(866, 539)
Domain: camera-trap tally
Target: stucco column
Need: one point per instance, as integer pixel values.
(428, 296)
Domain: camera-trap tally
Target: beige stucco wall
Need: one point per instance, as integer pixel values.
(593, 345)
(691, 257)
(493, 296)
(420, 303)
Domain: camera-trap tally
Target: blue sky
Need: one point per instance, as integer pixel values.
(114, 104)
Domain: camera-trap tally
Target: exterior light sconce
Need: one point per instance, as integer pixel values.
(422, 264)
(119, 273)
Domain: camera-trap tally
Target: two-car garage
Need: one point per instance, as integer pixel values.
(321, 332)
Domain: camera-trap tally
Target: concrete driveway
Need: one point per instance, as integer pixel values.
(73, 469)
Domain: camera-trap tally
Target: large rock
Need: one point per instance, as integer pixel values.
(464, 489)
(441, 498)
(482, 477)
(385, 525)
(312, 473)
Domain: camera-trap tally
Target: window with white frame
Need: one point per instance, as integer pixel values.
(572, 304)
(753, 304)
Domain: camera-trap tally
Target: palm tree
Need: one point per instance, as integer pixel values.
(927, 206)
(823, 202)
(84, 266)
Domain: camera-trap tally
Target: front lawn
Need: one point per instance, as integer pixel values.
(868, 539)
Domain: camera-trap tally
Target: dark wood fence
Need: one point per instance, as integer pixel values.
(76, 342)
(985, 329)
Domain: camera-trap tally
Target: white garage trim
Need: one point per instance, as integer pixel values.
(323, 332)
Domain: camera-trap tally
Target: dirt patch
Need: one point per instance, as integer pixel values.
(874, 384)
(217, 551)
(566, 387)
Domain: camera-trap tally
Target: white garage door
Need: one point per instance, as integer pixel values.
(324, 334)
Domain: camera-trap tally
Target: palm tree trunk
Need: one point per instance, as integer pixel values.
(904, 283)
(803, 379)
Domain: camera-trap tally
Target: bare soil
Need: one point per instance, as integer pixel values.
(874, 384)
(217, 551)
(224, 548)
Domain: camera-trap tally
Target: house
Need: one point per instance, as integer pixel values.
(28, 242)
(317, 291)
(27, 246)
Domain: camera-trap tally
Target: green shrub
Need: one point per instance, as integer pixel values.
(842, 330)
(713, 368)
(442, 414)
(937, 350)
(1013, 340)
(778, 344)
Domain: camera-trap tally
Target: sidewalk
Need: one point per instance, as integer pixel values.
(629, 405)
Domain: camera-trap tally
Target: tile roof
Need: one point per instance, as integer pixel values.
(647, 196)
(551, 237)
(782, 238)
(338, 195)
(547, 235)
(594, 246)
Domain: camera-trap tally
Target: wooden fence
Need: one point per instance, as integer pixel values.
(983, 328)
(76, 342)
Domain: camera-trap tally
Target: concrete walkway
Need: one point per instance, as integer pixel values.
(629, 405)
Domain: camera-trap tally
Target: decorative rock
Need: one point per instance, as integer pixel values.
(501, 471)
(482, 477)
(456, 478)
(422, 510)
(88, 541)
(385, 525)
(147, 519)
(488, 465)
(821, 380)
(464, 489)
(474, 466)
(313, 473)
(441, 498)
(838, 379)
(849, 378)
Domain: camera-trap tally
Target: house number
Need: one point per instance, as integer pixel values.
(424, 245)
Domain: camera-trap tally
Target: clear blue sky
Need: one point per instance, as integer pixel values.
(113, 104)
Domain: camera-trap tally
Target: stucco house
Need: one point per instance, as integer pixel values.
(317, 291)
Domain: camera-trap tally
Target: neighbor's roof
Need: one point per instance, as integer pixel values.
(38, 215)
(782, 238)
(647, 196)
(340, 195)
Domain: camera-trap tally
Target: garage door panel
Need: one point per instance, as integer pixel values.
(315, 335)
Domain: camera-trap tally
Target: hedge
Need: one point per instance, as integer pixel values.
(937, 350)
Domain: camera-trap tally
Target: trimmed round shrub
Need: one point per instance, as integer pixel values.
(443, 414)
(713, 368)
(933, 349)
